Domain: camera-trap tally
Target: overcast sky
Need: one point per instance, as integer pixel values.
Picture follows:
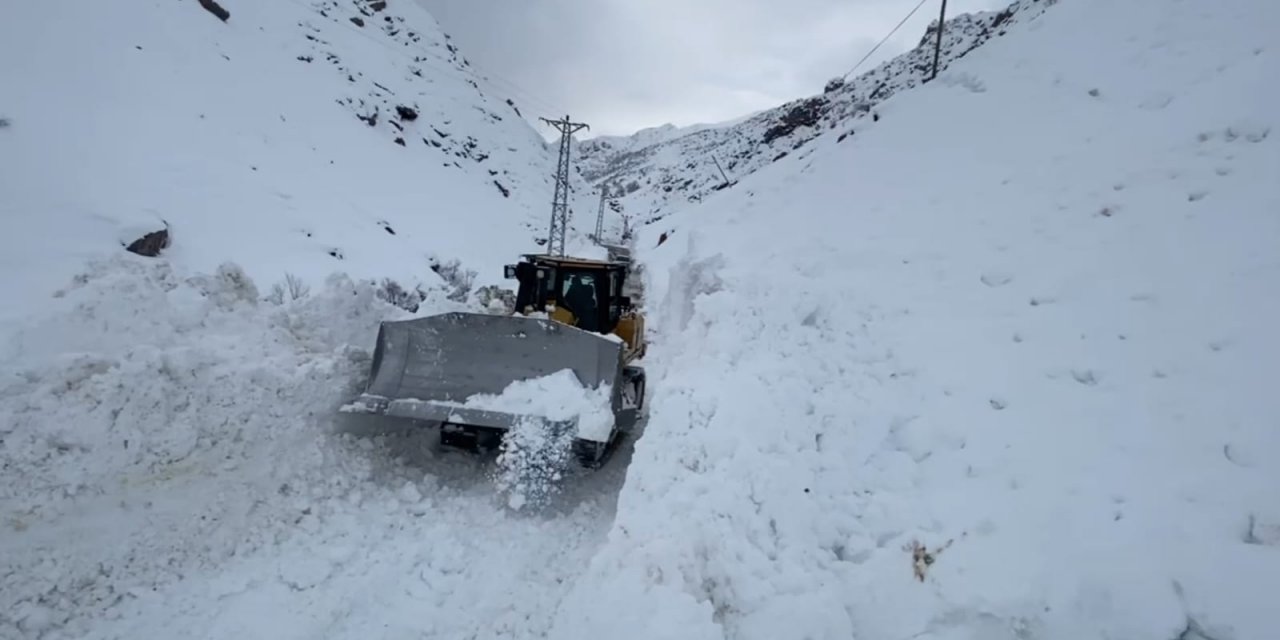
(623, 65)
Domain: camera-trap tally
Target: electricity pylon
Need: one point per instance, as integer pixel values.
(560, 203)
(604, 196)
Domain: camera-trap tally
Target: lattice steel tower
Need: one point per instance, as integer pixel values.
(560, 203)
(604, 197)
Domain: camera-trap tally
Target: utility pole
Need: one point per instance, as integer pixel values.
(604, 195)
(560, 203)
(722, 175)
(937, 48)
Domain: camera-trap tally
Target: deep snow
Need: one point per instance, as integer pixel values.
(179, 468)
(171, 457)
(1027, 317)
(268, 141)
(661, 170)
(998, 366)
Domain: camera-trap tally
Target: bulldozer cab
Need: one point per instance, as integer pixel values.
(582, 293)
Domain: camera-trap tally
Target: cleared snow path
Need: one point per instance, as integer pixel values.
(180, 470)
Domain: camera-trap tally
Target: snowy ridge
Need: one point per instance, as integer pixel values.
(660, 174)
(1009, 379)
(269, 140)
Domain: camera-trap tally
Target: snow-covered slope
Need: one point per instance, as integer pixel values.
(302, 137)
(1027, 321)
(660, 171)
(171, 464)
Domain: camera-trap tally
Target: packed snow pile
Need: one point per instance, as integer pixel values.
(297, 138)
(537, 452)
(659, 171)
(172, 465)
(558, 397)
(1000, 366)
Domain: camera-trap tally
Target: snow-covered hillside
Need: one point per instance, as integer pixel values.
(167, 424)
(1026, 321)
(660, 171)
(303, 137)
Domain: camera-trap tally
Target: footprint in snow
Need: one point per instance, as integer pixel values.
(1084, 377)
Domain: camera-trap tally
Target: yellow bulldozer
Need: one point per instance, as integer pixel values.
(570, 313)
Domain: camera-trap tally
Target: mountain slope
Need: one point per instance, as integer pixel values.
(1025, 322)
(171, 460)
(272, 140)
(661, 171)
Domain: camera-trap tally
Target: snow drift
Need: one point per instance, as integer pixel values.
(173, 466)
(999, 366)
(171, 460)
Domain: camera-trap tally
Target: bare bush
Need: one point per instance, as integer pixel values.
(458, 279)
(392, 292)
(293, 288)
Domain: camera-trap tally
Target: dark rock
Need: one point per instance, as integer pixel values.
(805, 114)
(506, 193)
(406, 113)
(150, 244)
(216, 9)
(400, 141)
(359, 22)
(378, 6)
(305, 58)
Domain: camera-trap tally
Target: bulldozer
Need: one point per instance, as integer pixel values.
(569, 314)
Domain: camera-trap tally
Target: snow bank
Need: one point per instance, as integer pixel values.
(170, 464)
(998, 367)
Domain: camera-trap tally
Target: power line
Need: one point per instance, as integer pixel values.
(886, 38)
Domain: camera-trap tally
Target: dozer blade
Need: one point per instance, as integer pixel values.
(426, 368)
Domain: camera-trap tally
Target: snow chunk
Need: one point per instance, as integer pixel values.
(559, 397)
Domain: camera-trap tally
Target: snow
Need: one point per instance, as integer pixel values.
(998, 366)
(558, 397)
(1023, 318)
(172, 458)
(245, 140)
(664, 169)
(174, 464)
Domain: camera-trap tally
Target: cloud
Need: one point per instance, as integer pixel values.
(622, 65)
